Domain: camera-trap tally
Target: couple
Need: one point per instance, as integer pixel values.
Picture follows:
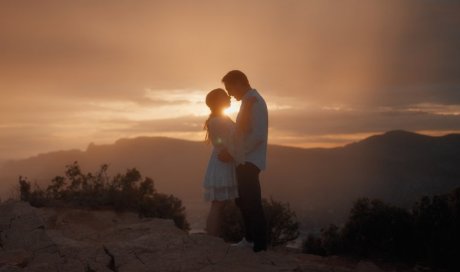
(238, 156)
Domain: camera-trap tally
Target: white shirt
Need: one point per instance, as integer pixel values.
(252, 145)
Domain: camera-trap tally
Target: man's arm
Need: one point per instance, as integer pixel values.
(235, 152)
(244, 122)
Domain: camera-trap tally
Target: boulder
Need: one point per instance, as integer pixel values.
(64, 239)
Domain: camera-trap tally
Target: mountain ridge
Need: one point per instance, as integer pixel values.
(121, 141)
(319, 183)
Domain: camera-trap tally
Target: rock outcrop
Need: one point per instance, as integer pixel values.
(48, 239)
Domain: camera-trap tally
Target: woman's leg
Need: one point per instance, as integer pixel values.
(213, 222)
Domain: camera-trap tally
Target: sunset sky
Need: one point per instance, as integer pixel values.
(332, 72)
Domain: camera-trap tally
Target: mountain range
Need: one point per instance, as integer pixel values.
(320, 184)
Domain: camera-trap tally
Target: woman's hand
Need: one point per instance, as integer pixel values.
(224, 156)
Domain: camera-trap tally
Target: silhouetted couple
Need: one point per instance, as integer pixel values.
(238, 156)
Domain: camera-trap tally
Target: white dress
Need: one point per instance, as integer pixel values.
(220, 178)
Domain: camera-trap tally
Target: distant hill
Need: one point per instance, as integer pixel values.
(319, 183)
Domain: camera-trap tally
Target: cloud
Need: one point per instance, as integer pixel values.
(312, 49)
(82, 71)
(331, 122)
(180, 124)
(404, 97)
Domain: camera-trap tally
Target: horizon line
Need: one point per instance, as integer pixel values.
(304, 147)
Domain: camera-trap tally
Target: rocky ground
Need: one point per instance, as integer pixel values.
(48, 239)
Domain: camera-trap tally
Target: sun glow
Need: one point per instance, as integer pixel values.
(232, 111)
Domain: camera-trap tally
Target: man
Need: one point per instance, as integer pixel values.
(249, 156)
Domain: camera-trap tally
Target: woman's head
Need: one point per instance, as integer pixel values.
(217, 101)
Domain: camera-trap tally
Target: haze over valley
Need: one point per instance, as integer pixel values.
(319, 183)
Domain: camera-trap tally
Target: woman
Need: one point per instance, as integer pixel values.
(220, 183)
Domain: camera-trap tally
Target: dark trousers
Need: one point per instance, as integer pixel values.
(250, 204)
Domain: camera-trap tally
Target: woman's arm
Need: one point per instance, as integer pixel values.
(219, 133)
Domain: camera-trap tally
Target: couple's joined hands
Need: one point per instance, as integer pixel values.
(224, 156)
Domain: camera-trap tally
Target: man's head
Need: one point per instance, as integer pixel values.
(236, 83)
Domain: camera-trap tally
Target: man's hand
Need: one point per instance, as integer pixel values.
(224, 156)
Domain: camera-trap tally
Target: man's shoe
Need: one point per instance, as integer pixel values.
(243, 243)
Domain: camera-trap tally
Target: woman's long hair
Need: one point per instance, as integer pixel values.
(211, 98)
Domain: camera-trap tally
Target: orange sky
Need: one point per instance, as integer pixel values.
(75, 72)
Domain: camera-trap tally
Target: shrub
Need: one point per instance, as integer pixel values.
(313, 245)
(331, 241)
(428, 234)
(376, 229)
(373, 229)
(164, 206)
(126, 191)
(282, 224)
(232, 223)
(24, 189)
(437, 229)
